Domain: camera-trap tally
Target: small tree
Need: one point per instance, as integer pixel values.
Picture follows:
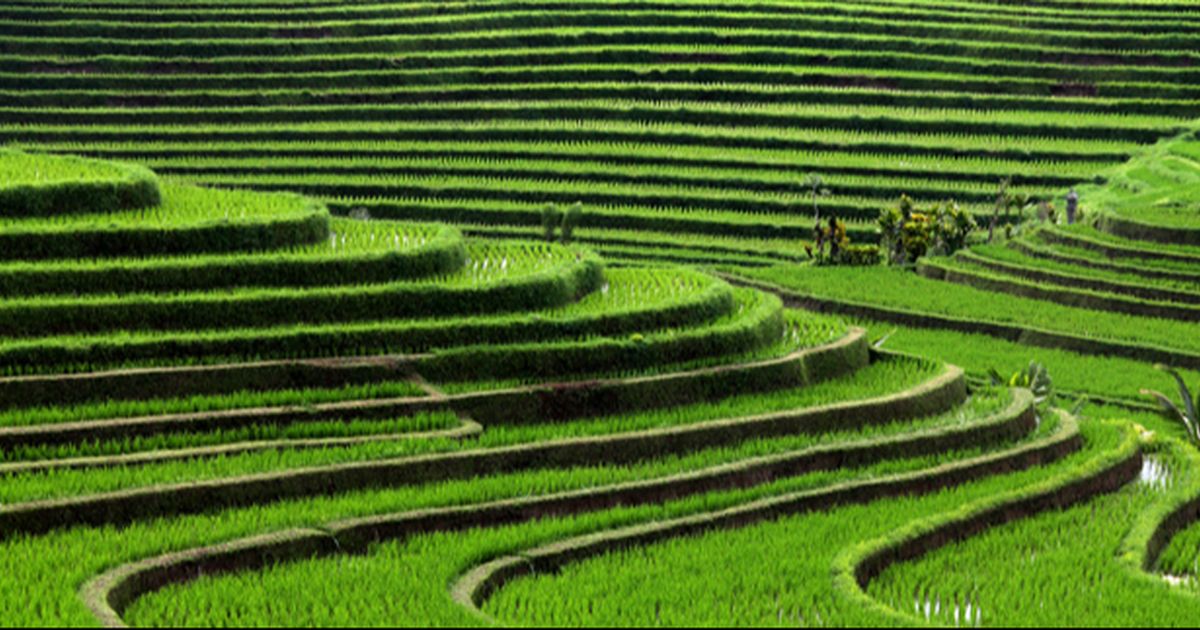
(1001, 204)
(952, 226)
(552, 217)
(891, 226)
(571, 219)
(837, 238)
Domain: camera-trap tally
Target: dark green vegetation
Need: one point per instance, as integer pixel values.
(397, 334)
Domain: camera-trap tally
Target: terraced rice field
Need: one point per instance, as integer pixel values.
(685, 126)
(282, 342)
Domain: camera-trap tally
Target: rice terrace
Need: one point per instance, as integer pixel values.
(599, 313)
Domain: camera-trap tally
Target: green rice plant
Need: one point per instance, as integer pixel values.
(1076, 375)
(43, 185)
(1088, 237)
(1065, 562)
(37, 574)
(639, 299)
(1064, 272)
(879, 379)
(168, 157)
(432, 570)
(189, 220)
(111, 408)
(963, 270)
(687, 127)
(896, 289)
(708, 579)
(277, 435)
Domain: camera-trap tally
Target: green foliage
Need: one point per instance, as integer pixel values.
(1187, 411)
(836, 238)
(418, 595)
(711, 582)
(1036, 378)
(47, 186)
(189, 221)
(1155, 195)
(570, 221)
(355, 253)
(693, 134)
(552, 218)
(908, 234)
(1095, 377)
(860, 255)
(904, 291)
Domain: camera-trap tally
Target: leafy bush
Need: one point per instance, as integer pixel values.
(552, 217)
(860, 255)
(908, 234)
(570, 221)
(841, 251)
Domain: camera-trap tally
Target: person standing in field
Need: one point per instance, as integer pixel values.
(1072, 205)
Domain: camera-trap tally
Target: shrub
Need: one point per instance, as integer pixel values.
(570, 220)
(552, 217)
(908, 234)
(860, 255)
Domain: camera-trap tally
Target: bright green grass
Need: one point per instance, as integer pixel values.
(1011, 256)
(968, 270)
(501, 109)
(181, 205)
(348, 237)
(18, 168)
(433, 561)
(486, 263)
(1055, 566)
(1160, 186)
(1088, 233)
(650, 132)
(41, 573)
(193, 404)
(898, 289)
(881, 378)
(631, 293)
(1085, 257)
(417, 423)
(773, 573)
(218, 153)
(633, 175)
(1104, 377)
(802, 329)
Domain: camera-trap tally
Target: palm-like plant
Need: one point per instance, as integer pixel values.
(1187, 413)
(1036, 378)
(817, 185)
